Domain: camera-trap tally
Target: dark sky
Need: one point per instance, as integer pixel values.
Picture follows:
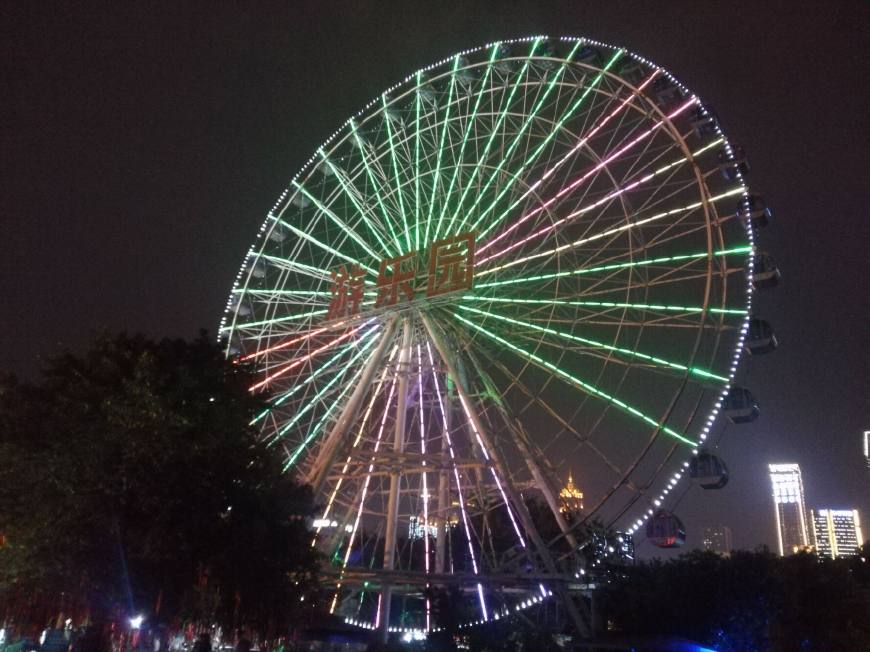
(143, 143)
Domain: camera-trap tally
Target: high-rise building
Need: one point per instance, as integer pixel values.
(837, 532)
(570, 498)
(867, 447)
(718, 539)
(792, 528)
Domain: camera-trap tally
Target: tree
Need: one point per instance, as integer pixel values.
(752, 601)
(131, 478)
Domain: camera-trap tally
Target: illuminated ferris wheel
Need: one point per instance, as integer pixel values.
(531, 256)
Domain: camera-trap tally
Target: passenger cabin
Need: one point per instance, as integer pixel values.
(734, 164)
(666, 93)
(503, 63)
(548, 51)
(703, 122)
(754, 208)
(590, 56)
(740, 405)
(665, 530)
(765, 273)
(760, 338)
(708, 470)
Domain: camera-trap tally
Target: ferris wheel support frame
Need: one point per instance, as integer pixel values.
(332, 445)
(580, 621)
(402, 372)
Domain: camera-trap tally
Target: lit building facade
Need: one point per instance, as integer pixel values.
(792, 524)
(837, 532)
(570, 498)
(718, 539)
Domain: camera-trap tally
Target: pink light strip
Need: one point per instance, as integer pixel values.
(455, 474)
(576, 183)
(425, 482)
(298, 362)
(580, 143)
(284, 345)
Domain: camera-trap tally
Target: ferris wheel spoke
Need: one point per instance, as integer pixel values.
(520, 133)
(470, 125)
(743, 249)
(606, 304)
(281, 398)
(436, 178)
(335, 252)
(595, 344)
(284, 369)
(336, 220)
(395, 166)
(316, 429)
(581, 142)
(351, 192)
(494, 131)
(567, 115)
(579, 181)
(362, 146)
(573, 380)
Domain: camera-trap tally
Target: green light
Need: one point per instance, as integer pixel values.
(465, 136)
(494, 132)
(311, 404)
(579, 383)
(371, 177)
(518, 136)
(316, 429)
(603, 268)
(600, 345)
(350, 195)
(603, 234)
(539, 149)
(301, 315)
(441, 147)
(335, 252)
(396, 174)
(362, 243)
(609, 304)
(417, 165)
(326, 365)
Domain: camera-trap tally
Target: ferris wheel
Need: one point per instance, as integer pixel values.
(529, 258)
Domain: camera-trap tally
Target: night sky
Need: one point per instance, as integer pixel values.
(143, 144)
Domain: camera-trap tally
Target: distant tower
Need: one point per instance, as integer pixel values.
(867, 447)
(792, 528)
(570, 498)
(837, 532)
(718, 539)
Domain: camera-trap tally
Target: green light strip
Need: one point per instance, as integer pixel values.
(518, 136)
(331, 215)
(539, 149)
(417, 165)
(608, 304)
(601, 345)
(441, 147)
(458, 166)
(316, 429)
(608, 232)
(326, 365)
(335, 252)
(603, 268)
(396, 174)
(302, 315)
(310, 404)
(375, 186)
(348, 191)
(494, 133)
(579, 383)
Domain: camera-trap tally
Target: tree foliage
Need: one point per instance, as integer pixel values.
(130, 476)
(752, 601)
